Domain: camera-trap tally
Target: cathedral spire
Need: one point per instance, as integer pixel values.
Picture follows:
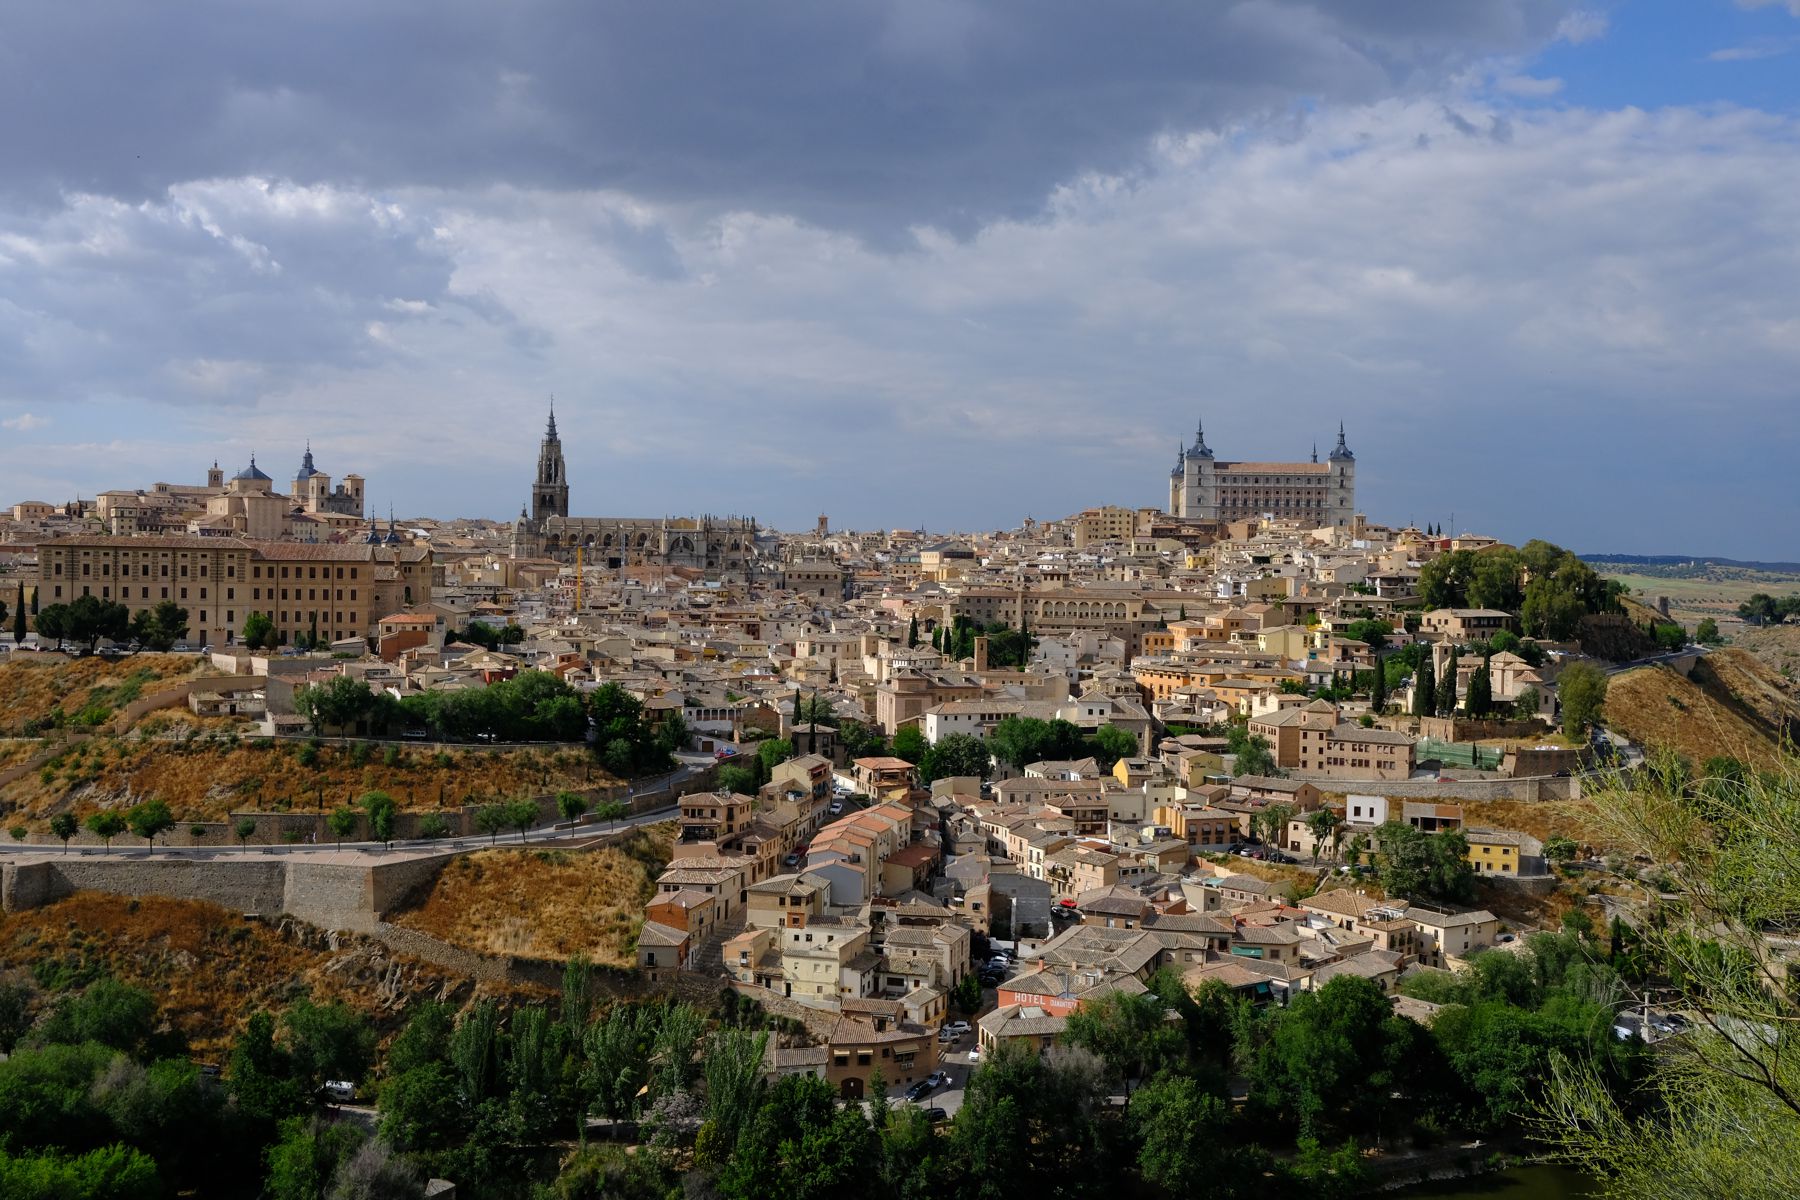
(550, 430)
(1341, 451)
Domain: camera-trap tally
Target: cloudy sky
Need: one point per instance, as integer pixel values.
(907, 262)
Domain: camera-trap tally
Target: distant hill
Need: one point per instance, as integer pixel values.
(1697, 560)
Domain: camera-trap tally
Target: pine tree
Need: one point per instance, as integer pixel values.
(1446, 689)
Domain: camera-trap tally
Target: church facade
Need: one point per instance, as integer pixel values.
(720, 545)
(1204, 487)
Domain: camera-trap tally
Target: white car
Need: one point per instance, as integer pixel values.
(837, 806)
(954, 1030)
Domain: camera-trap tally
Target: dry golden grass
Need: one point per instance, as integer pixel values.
(1753, 684)
(551, 904)
(1776, 647)
(1539, 818)
(1305, 879)
(206, 774)
(33, 687)
(208, 968)
(1657, 707)
(14, 750)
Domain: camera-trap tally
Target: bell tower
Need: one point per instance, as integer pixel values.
(550, 492)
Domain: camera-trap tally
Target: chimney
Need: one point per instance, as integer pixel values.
(981, 665)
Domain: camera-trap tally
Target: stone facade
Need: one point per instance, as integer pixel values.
(1319, 494)
(340, 591)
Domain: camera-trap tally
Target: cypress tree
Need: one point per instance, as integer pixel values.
(19, 617)
(912, 632)
(1446, 689)
(1378, 687)
(1424, 690)
(1481, 691)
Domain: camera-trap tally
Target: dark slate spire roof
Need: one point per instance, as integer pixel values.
(251, 472)
(550, 429)
(1200, 449)
(307, 470)
(1341, 452)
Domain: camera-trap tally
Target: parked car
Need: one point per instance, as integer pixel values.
(937, 1079)
(919, 1090)
(339, 1091)
(935, 1114)
(974, 1055)
(792, 860)
(954, 1029)
(837, 806)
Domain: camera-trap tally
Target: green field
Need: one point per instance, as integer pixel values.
(1716, 593)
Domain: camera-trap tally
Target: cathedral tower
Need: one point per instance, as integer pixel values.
(550, 493)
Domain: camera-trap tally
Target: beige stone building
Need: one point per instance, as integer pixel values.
(340, 591)
(1313, 741)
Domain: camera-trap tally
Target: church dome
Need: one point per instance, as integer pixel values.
(252, 472)
(307, 470)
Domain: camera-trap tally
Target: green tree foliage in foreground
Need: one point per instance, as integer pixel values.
(1722, 1114)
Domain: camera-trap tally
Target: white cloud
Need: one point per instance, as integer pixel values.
(1593, 280)
(1528, 85)
(1765, 47)
(24, 422)
(1584, 25)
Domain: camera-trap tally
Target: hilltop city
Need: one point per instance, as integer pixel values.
(1139, 798)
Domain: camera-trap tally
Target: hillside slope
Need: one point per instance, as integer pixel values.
(1776, 646)
(1697, 718)
(206, 775)
(546, 903)
(48, 690)
(209, 968)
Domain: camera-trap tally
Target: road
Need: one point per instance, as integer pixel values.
(954, 1062)
(1694, 651)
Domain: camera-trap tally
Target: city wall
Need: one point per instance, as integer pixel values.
(331, 895)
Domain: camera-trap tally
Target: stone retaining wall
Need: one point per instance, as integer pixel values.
(1542, 787)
